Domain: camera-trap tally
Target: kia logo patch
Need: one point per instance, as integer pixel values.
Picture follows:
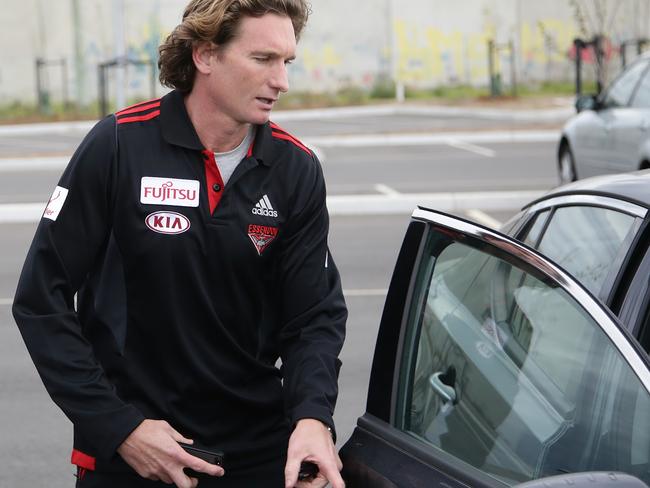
(167, 222)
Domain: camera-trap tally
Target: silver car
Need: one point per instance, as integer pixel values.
(611, 132)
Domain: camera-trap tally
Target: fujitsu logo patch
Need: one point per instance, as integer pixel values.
(167, 222)
(261, 235)
(264, 208)
(169, 191)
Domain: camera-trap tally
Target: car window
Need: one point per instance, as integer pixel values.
(510, 224)
(505, 371)
(534, 229)
(641, 98)
(644, 329)
(620, 91)
(585, 241)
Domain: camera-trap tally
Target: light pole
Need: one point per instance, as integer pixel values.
(394, 55)
(120, 52)
(79, 60)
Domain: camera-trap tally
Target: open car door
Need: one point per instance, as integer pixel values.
(494, 367)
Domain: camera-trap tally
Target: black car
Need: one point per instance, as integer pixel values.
(496, 365)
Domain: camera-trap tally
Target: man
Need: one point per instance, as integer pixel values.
(194, 234)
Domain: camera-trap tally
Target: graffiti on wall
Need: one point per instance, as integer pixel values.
(320, 63)
(428, 54)
(141, 45)
(425, 55)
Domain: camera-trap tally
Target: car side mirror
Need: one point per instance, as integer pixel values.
(584, 480)
(587, 102)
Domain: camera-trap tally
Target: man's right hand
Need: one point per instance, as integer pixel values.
(152, 450)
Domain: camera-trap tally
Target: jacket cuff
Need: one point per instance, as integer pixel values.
(119, 430)
(321, 414)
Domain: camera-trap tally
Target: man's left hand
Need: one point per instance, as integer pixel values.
(311, 441)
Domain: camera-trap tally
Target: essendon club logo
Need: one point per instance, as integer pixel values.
(261, 235)
(167, 222)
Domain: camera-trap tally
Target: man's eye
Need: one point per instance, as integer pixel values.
(288, 61)
(261, 59)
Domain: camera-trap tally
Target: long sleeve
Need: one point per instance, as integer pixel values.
(313, 308)
(69, 241)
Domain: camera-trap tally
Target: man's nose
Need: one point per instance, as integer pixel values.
(280, 78)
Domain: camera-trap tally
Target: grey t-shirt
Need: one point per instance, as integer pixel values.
(228, 161)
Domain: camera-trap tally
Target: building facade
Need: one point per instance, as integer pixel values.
(365, 43)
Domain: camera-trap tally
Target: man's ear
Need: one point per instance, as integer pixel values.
(201, 55)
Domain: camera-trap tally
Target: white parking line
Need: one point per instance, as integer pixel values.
(432, 139)
(33, 164)
(18, 213)
(405, 203)
(46, 128)
(483, 218)
(399, 203)
(386, 190)
(367, 292)
(482, 151)
(4, 302)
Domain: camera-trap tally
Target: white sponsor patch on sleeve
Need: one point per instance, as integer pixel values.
(56, 202)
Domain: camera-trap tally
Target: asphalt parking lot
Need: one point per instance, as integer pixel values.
(372, 190)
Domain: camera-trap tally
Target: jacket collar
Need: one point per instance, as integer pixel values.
(177, 129)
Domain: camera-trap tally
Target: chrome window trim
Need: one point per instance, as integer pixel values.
(591, 200)
(566, 281)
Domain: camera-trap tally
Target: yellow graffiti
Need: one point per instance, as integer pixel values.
(429, 53)
(476, 55)
(548, 40)
(325, 57)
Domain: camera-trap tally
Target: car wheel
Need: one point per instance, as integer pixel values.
(566, 166)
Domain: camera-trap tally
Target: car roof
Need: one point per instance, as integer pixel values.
(632, 187)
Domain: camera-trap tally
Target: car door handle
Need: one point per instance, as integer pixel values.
(446, 392)
(645, 125)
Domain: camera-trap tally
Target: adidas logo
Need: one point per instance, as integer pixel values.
(264, 207)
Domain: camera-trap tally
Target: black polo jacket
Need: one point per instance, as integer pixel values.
(188, 292)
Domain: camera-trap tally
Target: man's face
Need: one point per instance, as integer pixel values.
(250, 71)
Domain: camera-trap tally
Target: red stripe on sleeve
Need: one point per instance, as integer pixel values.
(296, 142)
(139, 118)
(146, 102)
(138, 109)
(83, 460)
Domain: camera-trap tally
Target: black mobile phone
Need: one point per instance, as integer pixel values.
(212, 457)
(308, 471)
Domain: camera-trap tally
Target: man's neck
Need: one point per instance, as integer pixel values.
(216, 132)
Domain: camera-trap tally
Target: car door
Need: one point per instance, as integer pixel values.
(493, 367)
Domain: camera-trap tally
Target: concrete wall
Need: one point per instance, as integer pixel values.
(419, 42)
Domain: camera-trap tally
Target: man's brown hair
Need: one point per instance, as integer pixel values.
(216, 21)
